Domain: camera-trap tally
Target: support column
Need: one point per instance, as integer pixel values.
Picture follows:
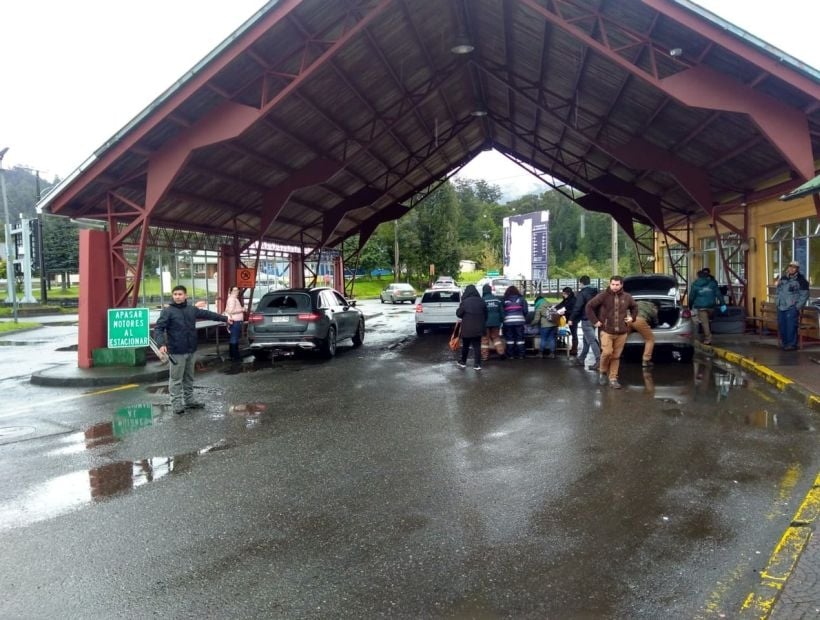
(297, 271)
(339, 274)
(96, 295)
(226, 266)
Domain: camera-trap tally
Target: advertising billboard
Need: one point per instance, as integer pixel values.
(526, 246)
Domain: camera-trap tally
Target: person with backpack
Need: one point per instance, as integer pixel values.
(515, 319)
(704, 297)
(578, 316)
(546, 319)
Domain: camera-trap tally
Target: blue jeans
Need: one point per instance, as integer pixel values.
(547, 339)
(236, 331)
(787, 326)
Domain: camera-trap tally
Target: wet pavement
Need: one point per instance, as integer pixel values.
(344, 528)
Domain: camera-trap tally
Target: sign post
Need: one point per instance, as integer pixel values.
(128, 328)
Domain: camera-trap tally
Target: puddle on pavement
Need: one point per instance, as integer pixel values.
(71, 491)
(716, 388)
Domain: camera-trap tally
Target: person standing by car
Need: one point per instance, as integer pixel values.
(567, 304)
(515, 318)
(647, 319)
(704, 296)
(546, 319)
(175, 333)
(613, 310)
(233, 308)
(578, 315)
(473, 314)
(495, 318)
(791, 294)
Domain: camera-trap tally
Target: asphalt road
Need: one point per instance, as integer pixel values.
(390, 483)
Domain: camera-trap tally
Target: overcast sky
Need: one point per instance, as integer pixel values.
(75, 72)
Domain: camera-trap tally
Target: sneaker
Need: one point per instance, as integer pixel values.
(615, 385)
(647, 364)
(602, 379)
(551, 356)
(707, 342)
(461, 364)
(592, 367)
(194, 405)
(476, 367)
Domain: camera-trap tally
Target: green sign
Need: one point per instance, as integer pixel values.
(490, 274)
(130, 419)
(127, 327)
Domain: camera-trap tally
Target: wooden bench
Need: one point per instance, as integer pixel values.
(808, 326)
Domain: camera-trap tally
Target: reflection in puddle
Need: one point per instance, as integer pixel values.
(71, 491)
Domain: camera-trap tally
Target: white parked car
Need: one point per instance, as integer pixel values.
(437, 308)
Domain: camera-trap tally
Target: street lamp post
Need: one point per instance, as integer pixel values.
(11, 283)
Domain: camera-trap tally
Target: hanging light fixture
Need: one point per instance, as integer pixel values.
(479, 112)
(462, 45)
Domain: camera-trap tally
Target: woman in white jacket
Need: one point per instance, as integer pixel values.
(233, 308)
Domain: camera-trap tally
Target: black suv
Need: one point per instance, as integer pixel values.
(306, 319)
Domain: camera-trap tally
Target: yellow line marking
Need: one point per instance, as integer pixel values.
(784, 557)
(784, 489)
(52, 401)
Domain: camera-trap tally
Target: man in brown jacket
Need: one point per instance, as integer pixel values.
(612, 310)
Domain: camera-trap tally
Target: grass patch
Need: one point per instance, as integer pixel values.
(7, 327)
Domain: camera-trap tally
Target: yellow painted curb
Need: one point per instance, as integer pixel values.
(759, 604)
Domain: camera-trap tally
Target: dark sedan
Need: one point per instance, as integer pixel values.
(304, 319)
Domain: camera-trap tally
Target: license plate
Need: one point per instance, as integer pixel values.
(279, 319)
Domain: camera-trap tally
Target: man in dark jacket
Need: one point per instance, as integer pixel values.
(704, 297)
(613, 311)
(567, 304)
(578, 316)
(473, 314)
(175, 333)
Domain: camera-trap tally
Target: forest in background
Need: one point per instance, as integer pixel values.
(461, 220)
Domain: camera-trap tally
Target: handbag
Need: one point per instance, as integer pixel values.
(455, 337)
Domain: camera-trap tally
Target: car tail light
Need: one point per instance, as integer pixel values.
(419, 308)
(686, 313)
(255, 317)
(310, 316)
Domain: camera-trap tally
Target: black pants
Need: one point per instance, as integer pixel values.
(466, 343)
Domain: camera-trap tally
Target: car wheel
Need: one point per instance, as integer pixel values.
(393, 301)
(329, 344)
(382, 298)
(419, 330)
(358, 337)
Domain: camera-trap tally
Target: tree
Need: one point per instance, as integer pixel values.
(438, 225)
(61, 243)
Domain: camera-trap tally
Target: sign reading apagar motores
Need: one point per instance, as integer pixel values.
(127, 327)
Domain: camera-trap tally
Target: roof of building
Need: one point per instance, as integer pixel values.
(318, 120)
